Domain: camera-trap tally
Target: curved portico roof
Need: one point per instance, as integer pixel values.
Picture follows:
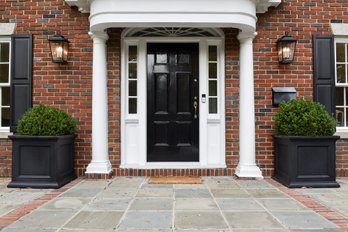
(239, 14)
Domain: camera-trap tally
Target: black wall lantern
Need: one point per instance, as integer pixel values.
(286, 49)
(59, 47)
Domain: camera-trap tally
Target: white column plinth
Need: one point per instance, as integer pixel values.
(100, 163)
(247, 166)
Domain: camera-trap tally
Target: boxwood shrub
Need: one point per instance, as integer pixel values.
(304, 118)
(46, 120)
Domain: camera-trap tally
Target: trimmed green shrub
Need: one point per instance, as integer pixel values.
(46, 120)
(304, 118)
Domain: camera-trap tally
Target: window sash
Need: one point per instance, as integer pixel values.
(132, 60)
(341, 110)
(2, 85)
(213, 80)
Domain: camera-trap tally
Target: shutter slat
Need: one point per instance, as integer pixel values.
(21, 77)
(324, 71)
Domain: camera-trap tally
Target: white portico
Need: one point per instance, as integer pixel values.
(133, 14)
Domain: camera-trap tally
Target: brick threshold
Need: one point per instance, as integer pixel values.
(23, 210)
(338, 219)
(174, 172)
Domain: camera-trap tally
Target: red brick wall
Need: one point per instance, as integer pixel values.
(5, 158)
(114, 95)
(232, 97)
(301, 19)
(68, 86)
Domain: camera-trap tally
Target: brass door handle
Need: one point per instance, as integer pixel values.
(195, 106)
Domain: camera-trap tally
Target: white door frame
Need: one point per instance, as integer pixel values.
(134, 126)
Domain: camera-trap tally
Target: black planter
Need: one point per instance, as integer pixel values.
(42, 161)
(304, 161)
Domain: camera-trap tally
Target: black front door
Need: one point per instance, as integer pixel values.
(172, 102)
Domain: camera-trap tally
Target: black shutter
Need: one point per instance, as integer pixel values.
(21, 77)
(324, 71)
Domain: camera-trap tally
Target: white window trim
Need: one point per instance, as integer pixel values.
(134, 126)
(5, 131)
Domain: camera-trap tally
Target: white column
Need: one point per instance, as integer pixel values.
(247, 166)
(100, 156)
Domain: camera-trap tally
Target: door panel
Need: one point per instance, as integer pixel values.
(172, 102)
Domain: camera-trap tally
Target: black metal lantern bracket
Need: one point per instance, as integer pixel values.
(286, 49)
(59, 47)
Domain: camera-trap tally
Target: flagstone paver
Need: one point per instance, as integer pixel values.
(238, 204)
(95, 220)
(147, 220)
(155, 192)
(152, 204)
(304, 220)
(195, 204)
(192, 193)
(200, 220)
(66, 204)
(108, 204)
(131, 204)
(281, 204)
(252, 220)
(230, 193)
(43, 219)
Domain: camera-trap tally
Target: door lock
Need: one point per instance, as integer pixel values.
(195, 107)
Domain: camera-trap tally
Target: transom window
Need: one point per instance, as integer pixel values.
(4, 84)
(172, 32)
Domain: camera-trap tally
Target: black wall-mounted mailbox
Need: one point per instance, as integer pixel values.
(282, 94)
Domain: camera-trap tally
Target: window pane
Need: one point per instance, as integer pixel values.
(339, 116)
(132, 105)
(4, 73)
(340, 50)
(4, 52)
(341, 73)
(132, 53)
(161, 58)
(212, 88)
(213, 70)
(5, 117)
(5, 96)
(212, 53)
(132, 71)
(132, 88)
(212, 105)
(339, 96)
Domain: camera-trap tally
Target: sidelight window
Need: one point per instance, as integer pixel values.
(212, 79)
(132, 79)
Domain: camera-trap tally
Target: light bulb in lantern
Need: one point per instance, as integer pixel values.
(59, 52)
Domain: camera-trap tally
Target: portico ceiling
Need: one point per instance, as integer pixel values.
(168, 13)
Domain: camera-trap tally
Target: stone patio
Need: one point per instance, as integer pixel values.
(131, 204)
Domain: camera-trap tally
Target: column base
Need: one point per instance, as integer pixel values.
(99, 168)
(249, 171)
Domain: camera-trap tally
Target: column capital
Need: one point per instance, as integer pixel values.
(102, 35)
(245, 35)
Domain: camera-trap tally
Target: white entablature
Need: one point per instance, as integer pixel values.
(240, 14)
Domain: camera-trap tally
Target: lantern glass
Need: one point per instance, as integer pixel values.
(59, 47)
(286, 49)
